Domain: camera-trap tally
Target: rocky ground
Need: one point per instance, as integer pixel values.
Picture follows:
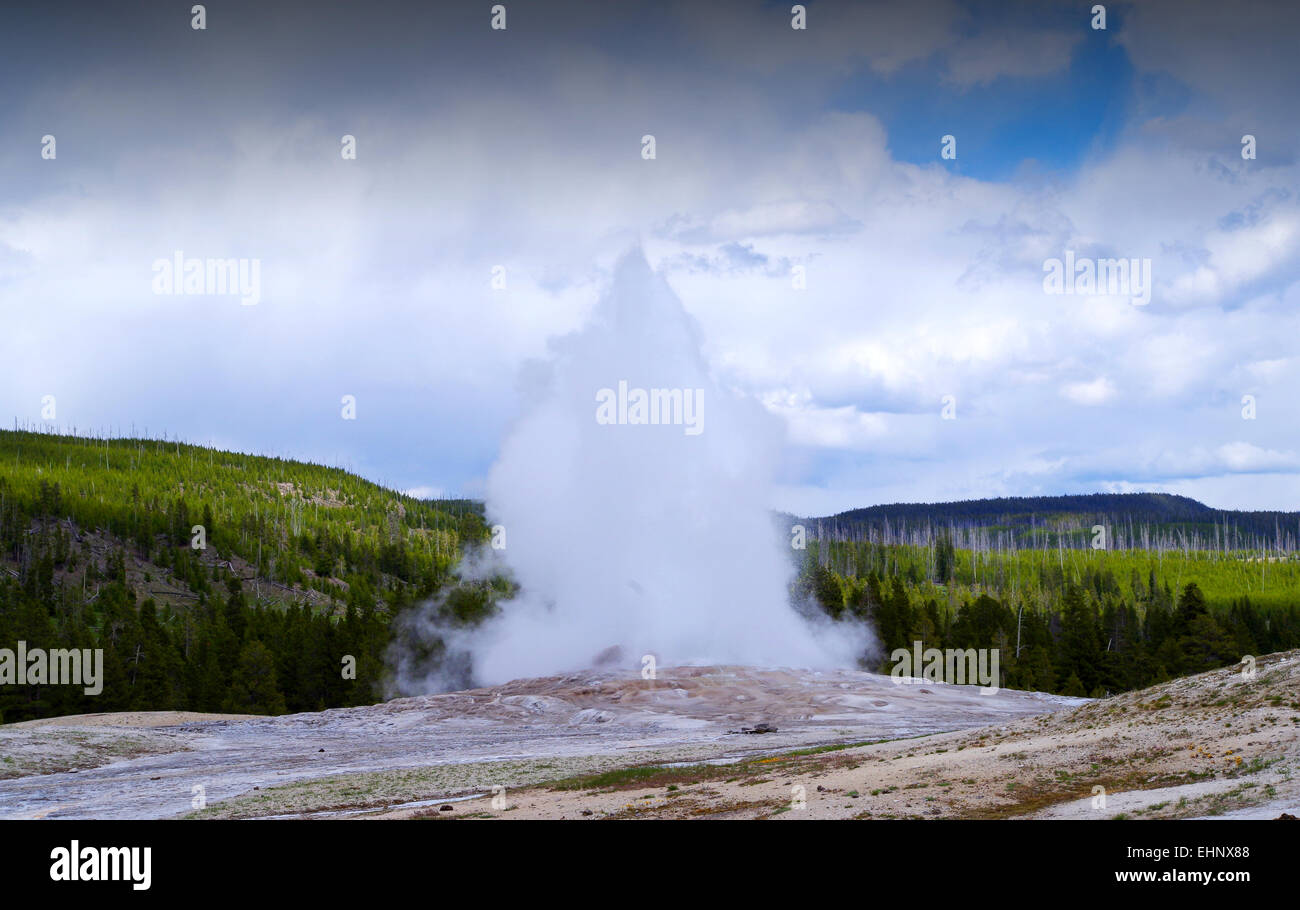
(610, 744)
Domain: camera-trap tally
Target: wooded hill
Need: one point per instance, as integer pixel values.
(1081, 595)
(300, 568)
(1069, 621)
(1147, 521)
(213, 580)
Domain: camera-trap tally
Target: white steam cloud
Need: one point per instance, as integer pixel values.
(635, 526)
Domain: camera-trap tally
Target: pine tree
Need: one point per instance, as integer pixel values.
(253, 688)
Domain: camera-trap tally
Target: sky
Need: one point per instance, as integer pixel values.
(923, 359)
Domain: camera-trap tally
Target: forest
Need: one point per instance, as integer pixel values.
(1070, 622)
(223, 582)
(1148, 521)
(214, 581)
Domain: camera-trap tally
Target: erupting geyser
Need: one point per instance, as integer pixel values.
(634, 494)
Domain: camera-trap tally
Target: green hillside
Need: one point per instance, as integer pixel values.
(215, 581)
(1074, 622)
(300, 566)
(293, 523)
(1147, 521)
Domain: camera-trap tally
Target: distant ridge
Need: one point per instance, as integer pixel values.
(1132, 520)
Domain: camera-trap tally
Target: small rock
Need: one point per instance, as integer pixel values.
(586, 811)
(444, 808)
(320, 750)
(757, 728)
(1285, 816)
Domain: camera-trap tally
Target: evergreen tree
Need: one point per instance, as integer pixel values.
(253, 688)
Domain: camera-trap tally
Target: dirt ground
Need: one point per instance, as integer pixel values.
(612, 745)
(1214, 745)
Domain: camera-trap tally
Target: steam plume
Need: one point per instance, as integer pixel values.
(640, 538)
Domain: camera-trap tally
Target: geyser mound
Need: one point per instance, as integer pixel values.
(634, 494)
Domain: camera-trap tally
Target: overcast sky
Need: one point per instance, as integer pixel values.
(775, 148)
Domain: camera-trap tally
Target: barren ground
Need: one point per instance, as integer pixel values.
(601, 745)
